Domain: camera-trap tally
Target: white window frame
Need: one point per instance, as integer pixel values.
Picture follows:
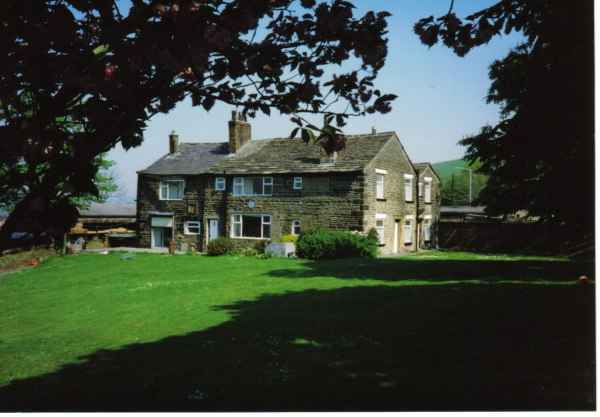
(164, 184)
(239, 219)
(191, 224)
(297, 183)
(408, 187)
(220, 184)
(407, 226)
(380, 227)
(428, 190)
(296, 223)
(238, 186)
(380, 185)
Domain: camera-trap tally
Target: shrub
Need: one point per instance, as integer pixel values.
(250, 252)
(289, 238)
(259, 246)
(373, 234)
(220, 246)
(332, 244)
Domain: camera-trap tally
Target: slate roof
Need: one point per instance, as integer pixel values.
(109, 210)
(192, 159)
(268, 156)
(420, 166)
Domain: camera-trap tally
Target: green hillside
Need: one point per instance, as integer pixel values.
(446, 169)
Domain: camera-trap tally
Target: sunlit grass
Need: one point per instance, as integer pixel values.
(69, 310)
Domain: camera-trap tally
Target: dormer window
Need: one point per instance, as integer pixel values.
(297, 183)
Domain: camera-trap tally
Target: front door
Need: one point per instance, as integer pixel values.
(159, 236)
(213, 229)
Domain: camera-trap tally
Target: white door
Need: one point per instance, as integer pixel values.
(213, 229)
(396, 231)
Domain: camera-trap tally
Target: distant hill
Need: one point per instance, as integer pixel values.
(447, 168)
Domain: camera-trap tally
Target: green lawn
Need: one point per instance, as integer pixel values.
(437, 332)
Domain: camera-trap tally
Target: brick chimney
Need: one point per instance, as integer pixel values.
(239, 131)
(173, 142)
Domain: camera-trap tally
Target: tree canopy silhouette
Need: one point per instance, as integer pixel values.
(540, 156)
(111, 71)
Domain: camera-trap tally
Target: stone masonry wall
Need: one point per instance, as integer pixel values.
(394, 160)
(432, 208)
(326, 201)
(148, 200)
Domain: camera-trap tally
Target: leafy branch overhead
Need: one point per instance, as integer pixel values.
(540, 156)
(110, 70)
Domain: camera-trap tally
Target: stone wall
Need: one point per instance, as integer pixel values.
(148, 200)
(394, 160)
(498, 237)
(431, 209)
(326, 201)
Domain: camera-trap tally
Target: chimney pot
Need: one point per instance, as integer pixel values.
(173, 142)
(374, 130)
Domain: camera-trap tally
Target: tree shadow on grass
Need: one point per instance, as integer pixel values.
(379, 348)
(403, 269)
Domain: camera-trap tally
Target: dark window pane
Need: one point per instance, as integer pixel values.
(257, 184)
(266, 231)
(251, 226)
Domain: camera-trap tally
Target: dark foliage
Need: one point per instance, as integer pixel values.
(540, 157)
(373, 234)
(85, 60)
(335, 244)
(220, 246)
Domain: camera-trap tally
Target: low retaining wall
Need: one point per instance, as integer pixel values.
(499, 237)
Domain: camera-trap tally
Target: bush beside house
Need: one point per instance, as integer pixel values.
(220, 246)
(318, 244)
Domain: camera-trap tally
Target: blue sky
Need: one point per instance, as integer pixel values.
(440, 96)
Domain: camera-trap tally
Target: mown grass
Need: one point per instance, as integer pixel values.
(442, 331)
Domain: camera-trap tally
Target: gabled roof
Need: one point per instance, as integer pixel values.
(421, 166)
(191, 159)
(268, 156)
(294, 156)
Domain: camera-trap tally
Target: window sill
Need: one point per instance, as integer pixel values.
(192, 234)
(409, 201)
(171, 199)
(251, 238)
(381, 199)
(408, 243)
(252, 195)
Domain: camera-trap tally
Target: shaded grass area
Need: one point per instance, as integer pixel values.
(186, 333)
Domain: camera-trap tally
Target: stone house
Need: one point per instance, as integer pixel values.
(250, 190)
